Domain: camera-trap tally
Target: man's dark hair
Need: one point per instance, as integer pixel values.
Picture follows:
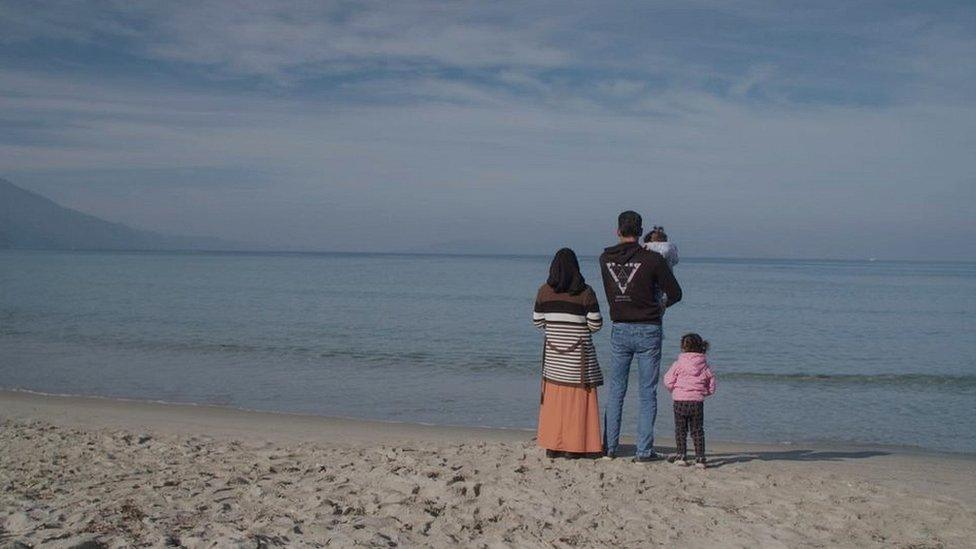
(629, 223)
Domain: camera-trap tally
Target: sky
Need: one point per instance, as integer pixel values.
(748, 129)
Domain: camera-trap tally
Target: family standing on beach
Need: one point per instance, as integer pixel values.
(640, 286)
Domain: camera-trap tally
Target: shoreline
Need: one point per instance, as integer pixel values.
(437, 430)
(224, 421)
(117, 473)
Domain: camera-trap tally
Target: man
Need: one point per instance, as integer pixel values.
(632, 277)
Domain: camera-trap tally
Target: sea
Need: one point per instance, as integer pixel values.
(848, 352)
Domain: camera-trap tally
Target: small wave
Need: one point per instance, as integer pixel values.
(961, 382)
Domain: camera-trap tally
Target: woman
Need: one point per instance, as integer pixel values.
(567, 309)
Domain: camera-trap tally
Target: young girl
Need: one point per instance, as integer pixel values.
(690, 380)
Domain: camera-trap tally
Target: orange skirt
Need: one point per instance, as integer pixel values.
(569, 419)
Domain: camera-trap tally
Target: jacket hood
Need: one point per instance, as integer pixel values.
(623, 252)
(694, 362)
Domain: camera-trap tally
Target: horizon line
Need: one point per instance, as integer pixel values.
(461, 254)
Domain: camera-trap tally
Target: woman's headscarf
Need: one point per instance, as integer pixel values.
(564, 273)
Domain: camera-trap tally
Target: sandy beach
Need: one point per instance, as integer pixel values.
(88, 472)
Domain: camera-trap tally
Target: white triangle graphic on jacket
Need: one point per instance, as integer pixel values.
(620, 271)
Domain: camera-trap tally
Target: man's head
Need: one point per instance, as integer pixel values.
(629, 226)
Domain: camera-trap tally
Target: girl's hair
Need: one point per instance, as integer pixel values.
(693, 343)
(564, 273)
(657, 234)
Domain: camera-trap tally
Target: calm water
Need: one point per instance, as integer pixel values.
(804, 351)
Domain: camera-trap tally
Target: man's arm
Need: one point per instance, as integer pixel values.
(667, 283)
(603, 277)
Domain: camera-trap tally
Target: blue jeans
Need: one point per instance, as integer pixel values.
(626, 342)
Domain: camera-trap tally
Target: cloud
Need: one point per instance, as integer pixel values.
(832, 53)
(291, 40)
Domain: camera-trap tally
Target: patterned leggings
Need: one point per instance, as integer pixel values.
(689, 415)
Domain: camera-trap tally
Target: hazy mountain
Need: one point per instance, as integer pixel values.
(29, 220)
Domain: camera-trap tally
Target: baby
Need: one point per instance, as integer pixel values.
(657, 241)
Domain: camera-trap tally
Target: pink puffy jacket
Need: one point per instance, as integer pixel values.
(690, 378)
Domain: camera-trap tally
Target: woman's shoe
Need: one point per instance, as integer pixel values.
(700, 463)
(553, 454)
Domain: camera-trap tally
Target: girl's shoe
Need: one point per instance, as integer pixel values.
(677, 459)
(700, 463)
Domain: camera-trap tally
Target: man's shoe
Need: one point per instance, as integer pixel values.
(644, 459)
(609, 455)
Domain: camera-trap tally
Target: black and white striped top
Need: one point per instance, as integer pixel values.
(568, 320)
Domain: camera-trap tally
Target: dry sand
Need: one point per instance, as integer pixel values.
(80, 472)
